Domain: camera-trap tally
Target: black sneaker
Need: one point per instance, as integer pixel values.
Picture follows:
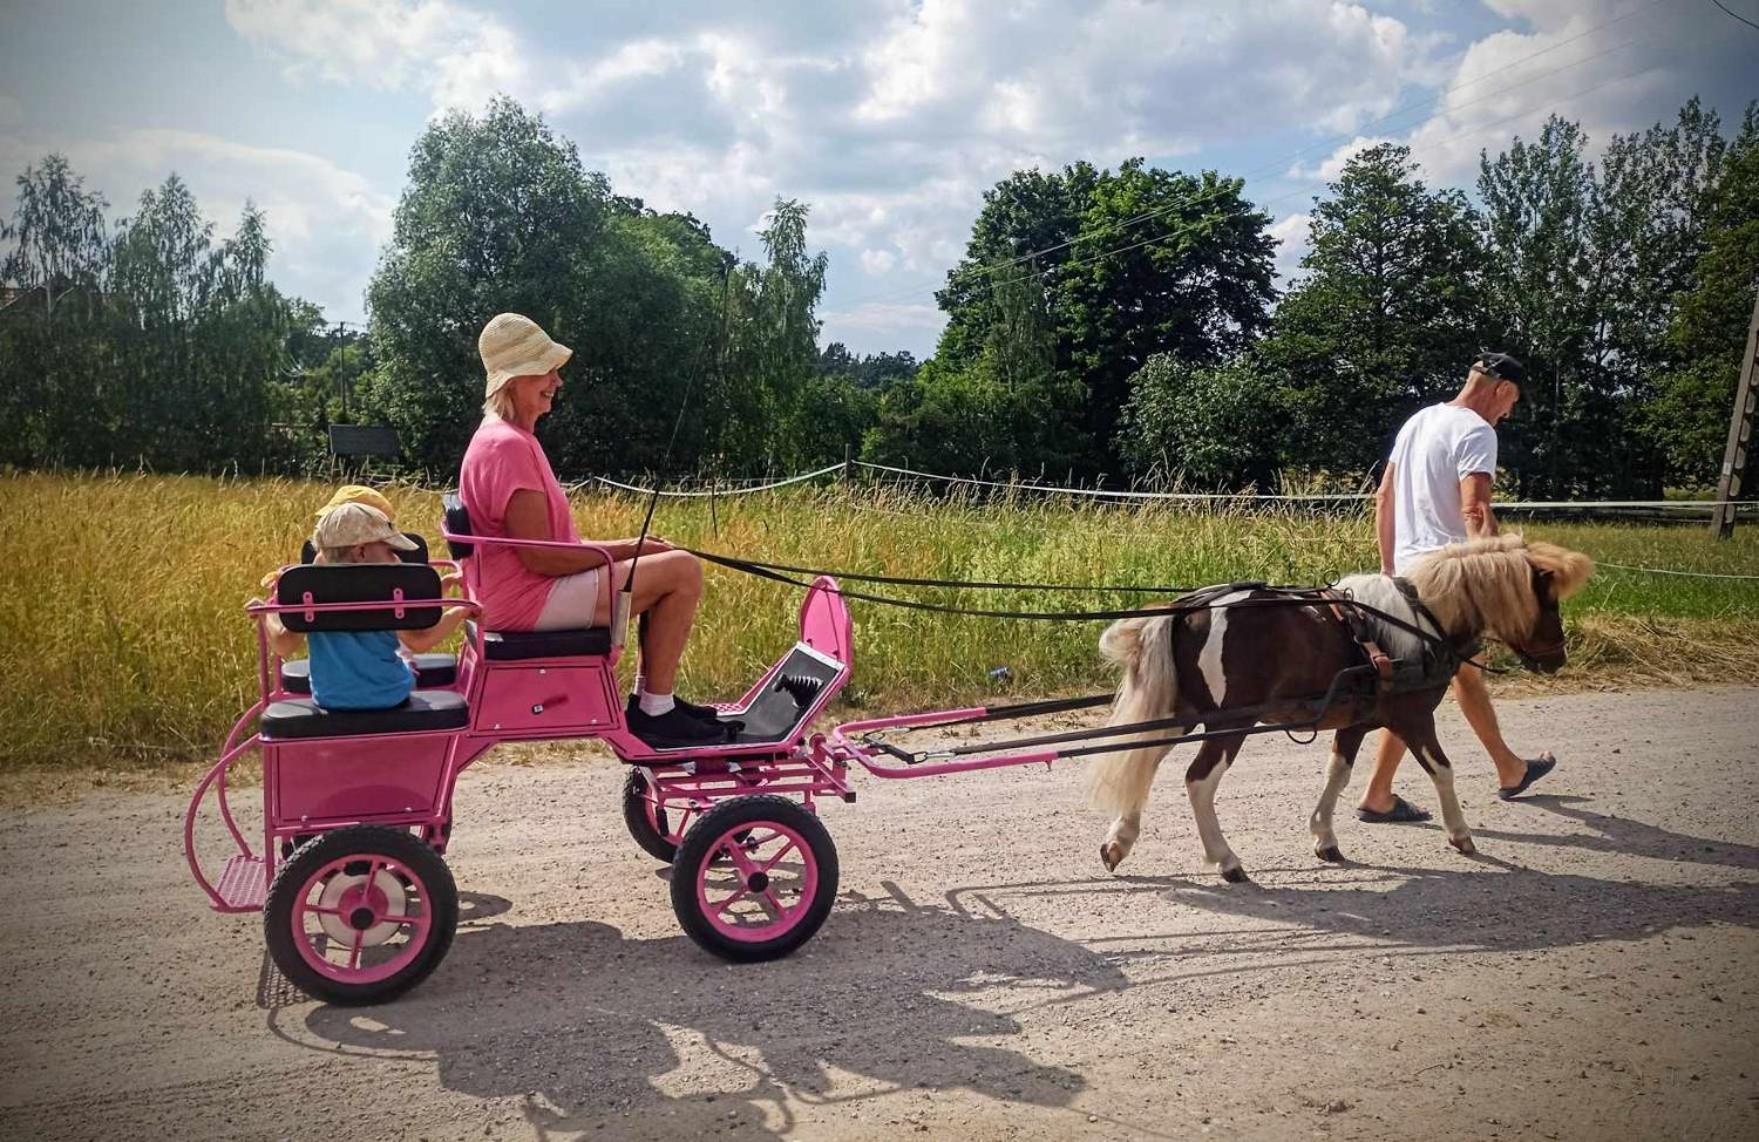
(701, 713)
(674, 729)
(707, 714)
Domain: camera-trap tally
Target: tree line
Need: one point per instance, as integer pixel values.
(1102, 324)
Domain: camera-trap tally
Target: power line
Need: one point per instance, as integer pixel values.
(1735, 15)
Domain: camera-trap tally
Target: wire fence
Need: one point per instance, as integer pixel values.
(911, 480)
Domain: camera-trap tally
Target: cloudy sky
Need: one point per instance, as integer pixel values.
(890, 117)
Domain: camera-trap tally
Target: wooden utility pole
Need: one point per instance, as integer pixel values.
(1740, 436)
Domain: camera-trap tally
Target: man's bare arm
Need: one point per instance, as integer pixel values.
(1383, 519)
(1475, 505)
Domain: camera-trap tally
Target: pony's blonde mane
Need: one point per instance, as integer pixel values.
(1487, 584)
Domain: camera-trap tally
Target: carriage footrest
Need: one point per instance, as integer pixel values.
(243, 882)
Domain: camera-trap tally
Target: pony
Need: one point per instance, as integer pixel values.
(1233, 666)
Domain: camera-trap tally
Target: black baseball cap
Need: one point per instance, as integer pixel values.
(1501, 366)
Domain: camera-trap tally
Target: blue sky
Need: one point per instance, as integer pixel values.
(890, 117)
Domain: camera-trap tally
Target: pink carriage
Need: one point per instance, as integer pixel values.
(357, 900)
(358, 904)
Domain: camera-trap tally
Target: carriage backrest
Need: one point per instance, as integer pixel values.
(396, 584)
(457, 518)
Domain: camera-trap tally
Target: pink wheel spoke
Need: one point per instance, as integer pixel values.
(776, 910)
(418, 920)
(320, 910)
(772, 862)
(736, 853)
(354, 949)
(732, 900)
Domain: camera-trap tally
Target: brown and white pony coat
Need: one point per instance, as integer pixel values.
(1204, 663)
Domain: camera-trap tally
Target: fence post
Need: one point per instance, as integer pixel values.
(848, 465)
(1740, 434)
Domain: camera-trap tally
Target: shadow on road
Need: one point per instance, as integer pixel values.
(584, 1025)
(1470, 906)
(1627, 837)
(580, 1022)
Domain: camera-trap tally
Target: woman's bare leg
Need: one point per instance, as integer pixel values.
(668, 588)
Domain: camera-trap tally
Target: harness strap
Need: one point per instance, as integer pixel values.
(1353, 621)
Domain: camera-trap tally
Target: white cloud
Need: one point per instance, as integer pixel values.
(878, 261)
(860, 325)
(460, 55)
(1611, 65)
(891, 117)
(327, 223)
(1332, 165)
(1291, 237)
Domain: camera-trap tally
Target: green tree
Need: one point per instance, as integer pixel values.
(498, 215)
(1218, 426)
(1708, 330)
(1133, 263)
(1007, 410)
(1587, 265)
(54, 380)
(1388, 311)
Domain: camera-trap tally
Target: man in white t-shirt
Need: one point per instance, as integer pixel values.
(1436, 491)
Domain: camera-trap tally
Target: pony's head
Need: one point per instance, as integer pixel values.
(1508, 587)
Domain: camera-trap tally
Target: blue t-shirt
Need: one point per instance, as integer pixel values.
(358, 670)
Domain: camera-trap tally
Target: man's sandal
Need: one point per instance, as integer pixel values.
(1536, 768)
(1402, 813)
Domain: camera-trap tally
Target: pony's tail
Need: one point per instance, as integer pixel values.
(1119, 782)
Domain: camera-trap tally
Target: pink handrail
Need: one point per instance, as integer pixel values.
(195, 802)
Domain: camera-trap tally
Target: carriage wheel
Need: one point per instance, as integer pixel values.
(360, 915)
(647, 820)
(754, 878)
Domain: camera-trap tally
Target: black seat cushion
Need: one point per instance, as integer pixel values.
(423, 710)
(514, 645)
(432, 671)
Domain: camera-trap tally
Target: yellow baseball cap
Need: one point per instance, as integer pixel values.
(359, 494)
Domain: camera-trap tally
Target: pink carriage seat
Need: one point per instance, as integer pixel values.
(398, 586)
(517, 645)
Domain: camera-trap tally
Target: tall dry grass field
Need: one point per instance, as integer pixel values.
(123, 642)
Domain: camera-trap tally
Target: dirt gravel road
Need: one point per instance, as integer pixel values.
(1592, 975)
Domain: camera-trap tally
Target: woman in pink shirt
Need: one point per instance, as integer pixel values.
(510, 490)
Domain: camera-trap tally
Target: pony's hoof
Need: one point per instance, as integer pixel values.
(1236, 876)
(1465, 845)
(1111, 854)
(1330, 854)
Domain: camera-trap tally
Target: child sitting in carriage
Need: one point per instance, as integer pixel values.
(359, 670)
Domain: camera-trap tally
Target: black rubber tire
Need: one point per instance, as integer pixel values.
(635, 809)
(364, 841)
(694, 854)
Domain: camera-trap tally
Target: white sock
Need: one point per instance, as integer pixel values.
(653, 705)
(640, 683)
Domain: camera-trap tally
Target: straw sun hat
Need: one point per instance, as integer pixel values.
(514, 346)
